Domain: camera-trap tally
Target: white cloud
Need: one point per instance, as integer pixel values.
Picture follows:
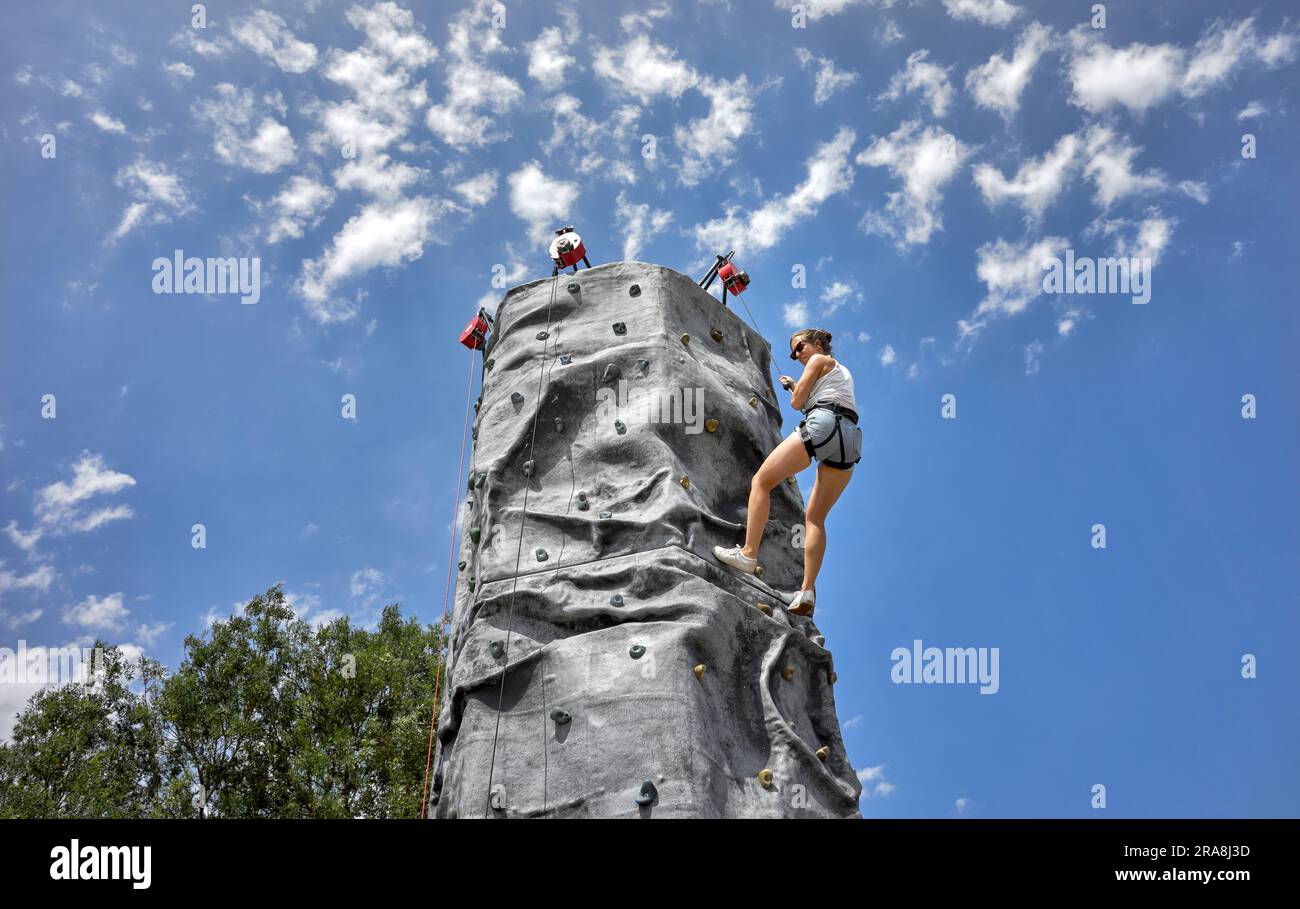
(377, 175)
(539, 200)
(37, 579)
(298, 206)
(1252, 111)
(709, 142)
(920, 75)
(889, 33)
(887, 356)
(838, 294)
(479, 190)
(924, 161)
(1033, 354)
(816, 9)
(547, 61)
(394, 32)
(1110, 167)
(1036, 183)
(963, 805)
(70, 89)
(1195, 189)
(24, 540)
(241, 135)
(999, 83)
(985, 12)
(874, 782)
(267, 35)
(384, 233)
(58, 506)
(644, 70)
(1013, 277)
(828, 79)
(184, 70)
(639, 224)
(1149, 240)
(149, 634)
(753, 230)
(97, 613)
(473, 87)
(796, 315)
(106, 122)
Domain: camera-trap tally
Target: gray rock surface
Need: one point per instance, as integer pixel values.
(591, 646)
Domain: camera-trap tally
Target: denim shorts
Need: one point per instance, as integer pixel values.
(834, 440)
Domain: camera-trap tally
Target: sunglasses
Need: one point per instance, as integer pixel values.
(798, 349)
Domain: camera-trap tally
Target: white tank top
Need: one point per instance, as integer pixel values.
(836, 387)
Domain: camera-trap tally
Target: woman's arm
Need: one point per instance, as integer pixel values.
(818, 366)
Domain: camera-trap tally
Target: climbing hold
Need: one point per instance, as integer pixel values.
(460, 566)
(612, 372)
(819, 640)
(542, 555)
(606, 515)
(478, 482)
(573, 287)
(699, 671)
(489, 364)
(620, 328)
(559, 424)
(620, 427)
(497, 649)
(834, 675)
(498, 798)
(686, 339)
(765, 778)
(648, 791)
(528, 468)
(763, 608)
(792, 481)
(716, 334)
(758, 571)
(516, 398)
(472, 583)
(823, 753)
(474, 434)
(634, 290)
(583, 504)
(616, 600)
(471, 480)
(787, 673)
(477, 404)
(561, 716)
(711, 425)
(474, 534)
(565, 359)
(636, 651)
(543, 335)
(644, 366)
(685, 481)
(753, 400)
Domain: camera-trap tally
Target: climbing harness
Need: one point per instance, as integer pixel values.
(567, 250)
(841, 413)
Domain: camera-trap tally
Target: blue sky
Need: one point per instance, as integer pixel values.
(918, 160)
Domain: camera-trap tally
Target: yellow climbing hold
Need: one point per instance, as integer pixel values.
(763, 608)
(823, 752)
(758, 571)
(765, 778)
(699, 671)
(792, 481)
(711, 425)
(787, 673)
(685, 481)
(716, 334)
(686, 339)
(753, 400)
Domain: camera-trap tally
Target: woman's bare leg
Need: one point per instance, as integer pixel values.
(831, 481)
(786, 460)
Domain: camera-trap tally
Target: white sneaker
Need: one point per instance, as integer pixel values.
(735, 558)
(803, 603)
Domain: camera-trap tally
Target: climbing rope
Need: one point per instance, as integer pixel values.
(440, 665)
(519, 550)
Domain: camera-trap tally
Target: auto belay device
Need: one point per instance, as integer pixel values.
(475, 334)
(733, 279)
(567, 249)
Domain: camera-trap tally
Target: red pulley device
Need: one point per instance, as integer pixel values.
(567, 250)
(475, 334)
(733, 279)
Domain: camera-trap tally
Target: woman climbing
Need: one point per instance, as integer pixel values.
(829, 433)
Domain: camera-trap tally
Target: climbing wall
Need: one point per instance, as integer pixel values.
(634, 674)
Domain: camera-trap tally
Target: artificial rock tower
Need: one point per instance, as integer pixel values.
(620, 652)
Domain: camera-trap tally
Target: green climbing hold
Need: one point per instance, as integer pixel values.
(574, 288)
(644, 366)
(648, 794)
(616, 600)
(620, 328)
(565, 359)
(606, 515)
(542, 555)
(543, 335)
(612, 372)
(561, 716)
(528, 468)
(636, 651)
(634, 290)
(489, 364)
(559, 424)
(478, 483)
(460, 566)
(497, 649)
(474, 534)
(516, 398)
(620, 427)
